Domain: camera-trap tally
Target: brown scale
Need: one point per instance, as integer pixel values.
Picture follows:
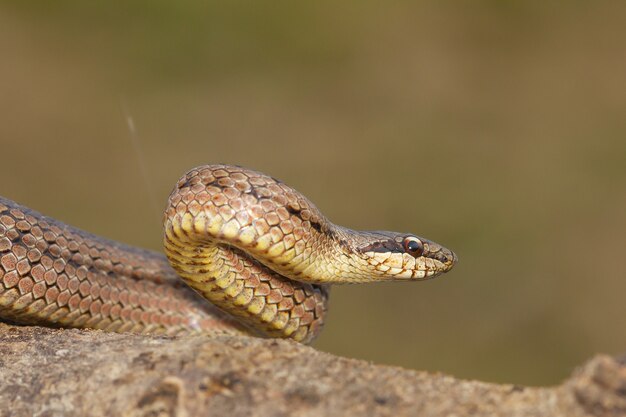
(55, 275)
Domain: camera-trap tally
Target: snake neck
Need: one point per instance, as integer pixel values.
(326, 255)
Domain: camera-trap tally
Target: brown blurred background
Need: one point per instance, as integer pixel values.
(497, 128)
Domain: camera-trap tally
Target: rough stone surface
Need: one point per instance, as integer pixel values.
(55, 372)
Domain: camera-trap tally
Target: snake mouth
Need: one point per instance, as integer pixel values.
(397, 266)
(440, 266)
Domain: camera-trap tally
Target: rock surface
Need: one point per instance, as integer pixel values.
(54, 372)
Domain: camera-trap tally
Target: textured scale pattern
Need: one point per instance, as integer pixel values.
(53, 274)
(257, 249)
(236, 206)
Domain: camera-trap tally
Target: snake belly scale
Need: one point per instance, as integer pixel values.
(258, 250)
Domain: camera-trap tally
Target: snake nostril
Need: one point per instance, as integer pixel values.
(451, 259)
(446, 257)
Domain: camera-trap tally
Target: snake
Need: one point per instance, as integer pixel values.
(245, 253)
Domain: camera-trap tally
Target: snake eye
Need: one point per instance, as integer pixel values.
(413, 247)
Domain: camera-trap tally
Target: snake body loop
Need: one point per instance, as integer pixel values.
(261, 252)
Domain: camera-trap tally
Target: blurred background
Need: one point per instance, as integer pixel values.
(496, 128)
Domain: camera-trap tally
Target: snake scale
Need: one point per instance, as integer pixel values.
(257, 249)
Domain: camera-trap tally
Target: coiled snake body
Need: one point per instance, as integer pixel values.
(260, 251)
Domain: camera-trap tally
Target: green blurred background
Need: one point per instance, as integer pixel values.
(496, 128)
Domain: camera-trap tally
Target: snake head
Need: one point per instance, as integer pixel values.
(401, 256)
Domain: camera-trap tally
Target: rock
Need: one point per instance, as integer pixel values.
(56, 372)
